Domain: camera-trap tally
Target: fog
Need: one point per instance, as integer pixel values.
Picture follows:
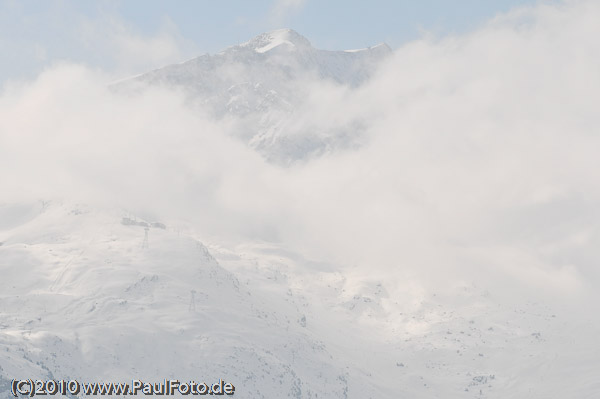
(478, 160)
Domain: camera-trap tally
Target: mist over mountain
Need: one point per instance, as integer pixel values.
(258, 85)
(303, 223)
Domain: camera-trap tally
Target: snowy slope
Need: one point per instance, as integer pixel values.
(84, 296)
(258, 84)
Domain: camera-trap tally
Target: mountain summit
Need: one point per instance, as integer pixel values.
(261, 82)
(277, 39)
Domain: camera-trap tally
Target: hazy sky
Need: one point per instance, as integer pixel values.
(131, 36)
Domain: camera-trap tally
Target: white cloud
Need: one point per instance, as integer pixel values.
(480, 161)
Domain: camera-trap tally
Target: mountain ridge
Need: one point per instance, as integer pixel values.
(259, 84)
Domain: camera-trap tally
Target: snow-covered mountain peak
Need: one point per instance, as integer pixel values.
(257, 85)
(280, 38)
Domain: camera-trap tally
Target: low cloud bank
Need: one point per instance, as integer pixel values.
(478, 159)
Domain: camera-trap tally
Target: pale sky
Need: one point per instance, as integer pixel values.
(131, 36)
